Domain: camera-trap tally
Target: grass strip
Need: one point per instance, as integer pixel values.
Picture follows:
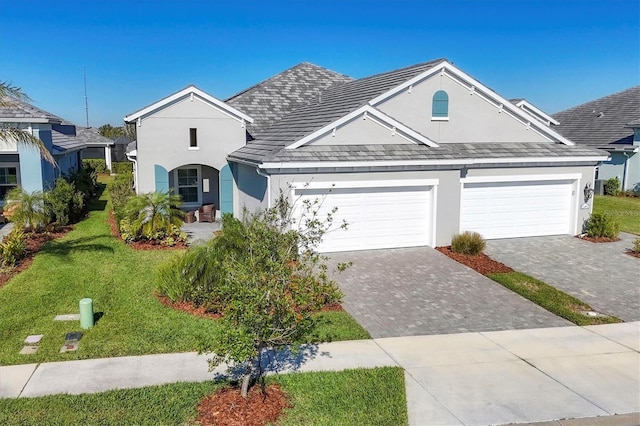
(550, 298)
(625, 210)
(353, 397)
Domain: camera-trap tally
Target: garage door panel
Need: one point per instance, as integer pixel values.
(377, 217)
(517, 209)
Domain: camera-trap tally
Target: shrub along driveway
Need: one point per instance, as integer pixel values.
(600, 274)
(417, 291)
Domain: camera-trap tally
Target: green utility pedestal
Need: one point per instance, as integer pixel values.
(86, 313)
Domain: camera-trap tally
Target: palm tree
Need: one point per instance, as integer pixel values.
(8, 94)
(154, 212)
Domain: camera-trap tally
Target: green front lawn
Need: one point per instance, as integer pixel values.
(351, 397)
(626, 210)
(90, 262)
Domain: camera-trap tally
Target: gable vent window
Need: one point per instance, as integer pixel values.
(193, 138)
(440, 106)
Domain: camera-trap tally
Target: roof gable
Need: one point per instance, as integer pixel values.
(192, 92)
(602, 121)
(445, 68)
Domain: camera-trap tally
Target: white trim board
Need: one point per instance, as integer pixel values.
(366, 184)
(364, 111)
(521, 178)
(188, 91)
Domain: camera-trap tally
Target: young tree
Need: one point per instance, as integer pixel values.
(8, 95)
(272, 281)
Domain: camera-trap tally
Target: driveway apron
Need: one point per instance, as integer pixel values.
(418, 291)
(600, 274)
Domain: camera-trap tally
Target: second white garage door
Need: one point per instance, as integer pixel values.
(377, 217)
(517, 209)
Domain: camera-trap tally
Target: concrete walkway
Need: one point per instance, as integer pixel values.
(497, 377)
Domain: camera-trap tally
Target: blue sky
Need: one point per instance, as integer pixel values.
(555, 53)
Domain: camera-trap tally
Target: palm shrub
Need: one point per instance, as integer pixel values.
(12, 248)
(98, 164)
(85, 181)
(470, 243)
(64, 203)
(601, 225)
(26, 209)
(152, 216)
(636, 245)
(194, 276)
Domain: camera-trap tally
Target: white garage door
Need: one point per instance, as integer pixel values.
(380, 217)
(517, 209)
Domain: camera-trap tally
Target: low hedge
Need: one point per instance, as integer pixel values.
(97, 164)
(122, 167)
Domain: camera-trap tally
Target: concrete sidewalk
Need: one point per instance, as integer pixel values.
(499, 377)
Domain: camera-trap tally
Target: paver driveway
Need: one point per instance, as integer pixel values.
(417, 291)
(601, 275)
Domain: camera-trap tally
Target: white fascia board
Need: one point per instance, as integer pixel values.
(400, 163)
(521, 178)
(475, 85)
(538, 111)
(29, 120)
(365, 184)
(185, 92)
(361, 111)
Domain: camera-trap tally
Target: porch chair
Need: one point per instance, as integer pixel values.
(207, 213)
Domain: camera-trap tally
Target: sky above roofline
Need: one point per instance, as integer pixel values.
(556, 54)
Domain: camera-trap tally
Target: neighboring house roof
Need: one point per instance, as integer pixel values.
(188, 91)
(332, 105)
(270, 100)
(68, 137)
(602, 122)
(122, 140)
(17, 111)
(634, 123)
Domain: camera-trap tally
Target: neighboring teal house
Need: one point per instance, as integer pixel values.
(21, 166)
(612, 124)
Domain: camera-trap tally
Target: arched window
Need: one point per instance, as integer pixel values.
(440, 105)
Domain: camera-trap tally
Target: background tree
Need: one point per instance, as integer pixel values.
(8, 95)
(108, 131)
(271, 283)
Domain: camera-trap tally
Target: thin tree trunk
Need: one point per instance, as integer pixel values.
(246, 380)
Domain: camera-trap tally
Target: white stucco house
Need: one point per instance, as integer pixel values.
(409, 157)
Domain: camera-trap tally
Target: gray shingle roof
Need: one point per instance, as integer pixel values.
(603, 121)
(17, 110)
(332, 104)
(69, 137)
(272, 99)
(408, 152)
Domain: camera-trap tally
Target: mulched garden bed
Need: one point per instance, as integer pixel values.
(189, 307)
(633, 253)
(480, 263)
(598, 239)
(226, 407)
(143, 245)
(200, 311)
(33, 243)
